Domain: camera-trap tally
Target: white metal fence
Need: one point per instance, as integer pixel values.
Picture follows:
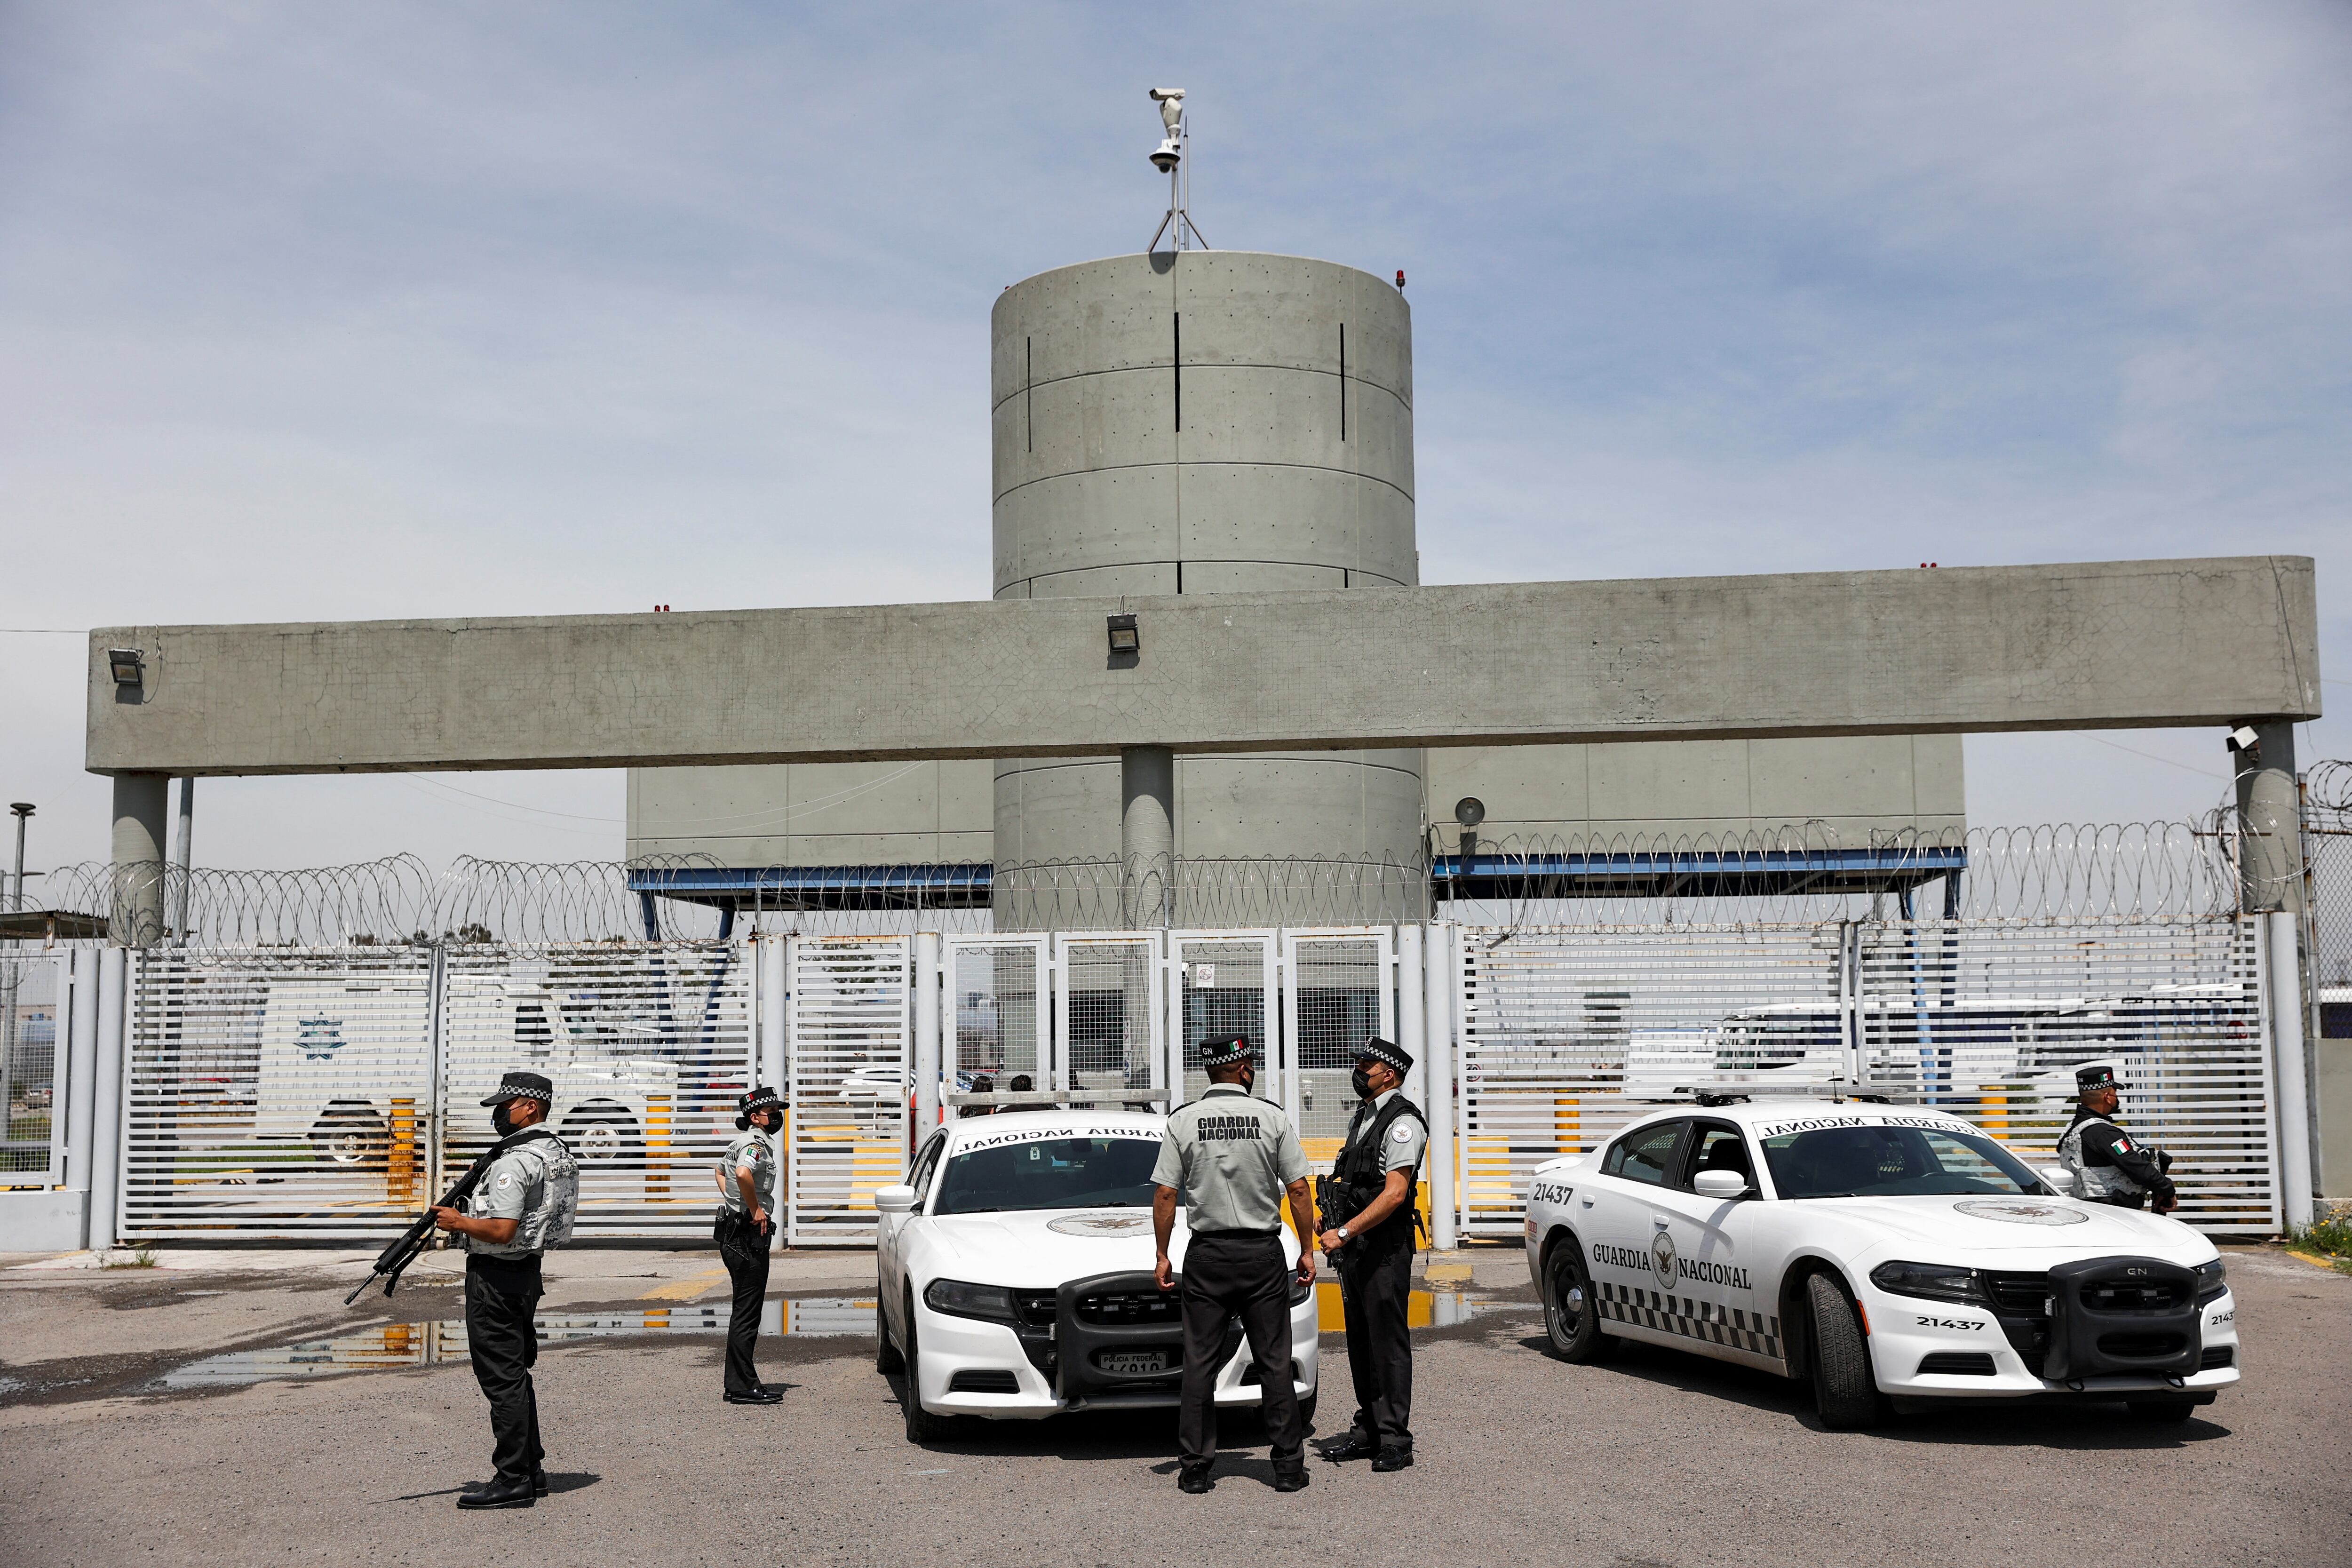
(32, 1015)
(331, 1092)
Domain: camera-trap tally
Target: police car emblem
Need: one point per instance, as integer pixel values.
(1662, 1257)
(1099, 1224)
(2023, 1214)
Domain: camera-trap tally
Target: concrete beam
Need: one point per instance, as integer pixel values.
(2110, 645)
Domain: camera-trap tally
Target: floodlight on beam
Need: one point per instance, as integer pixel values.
(129, 665)
(1124, 636)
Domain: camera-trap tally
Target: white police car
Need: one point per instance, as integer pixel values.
(1015, 1276)
(1894, 1256)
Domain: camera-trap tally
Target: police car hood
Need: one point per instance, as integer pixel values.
(1950, 1225)
(1035, 1249)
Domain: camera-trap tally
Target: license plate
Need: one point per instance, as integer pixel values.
(1132, 1361)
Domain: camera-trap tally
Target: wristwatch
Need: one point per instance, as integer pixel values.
(1342, 1232)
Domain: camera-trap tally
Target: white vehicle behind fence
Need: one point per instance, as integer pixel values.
(2031, 1045)
(335, 1052)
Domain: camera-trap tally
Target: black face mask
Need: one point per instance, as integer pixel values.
(1363, 1080)
(502, 1118)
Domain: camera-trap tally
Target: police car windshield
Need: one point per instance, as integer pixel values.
(1891, 1161)
(1050, 1173)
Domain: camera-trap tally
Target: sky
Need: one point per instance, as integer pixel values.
(324, 313)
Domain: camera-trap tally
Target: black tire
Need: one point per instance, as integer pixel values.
(2162, 1411)
(886, 1359)
(1844, 1389)
(1571, 1320)
(922, 1426)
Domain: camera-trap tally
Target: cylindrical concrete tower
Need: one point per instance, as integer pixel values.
(1203, 422)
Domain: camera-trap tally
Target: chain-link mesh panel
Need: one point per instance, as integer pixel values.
(32, 1014)
(996, 990)
(1340, 993)
(1223, 987)
(851, 1031)
(648, 1046)
(1109, 1034)
(275, 1093)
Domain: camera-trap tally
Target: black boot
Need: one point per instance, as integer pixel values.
(754, 1395)
(1354, 1446)
(1194, 1479)
(500, 1493)
(1290, 1478)
(1392, 1460)
(538, 1483)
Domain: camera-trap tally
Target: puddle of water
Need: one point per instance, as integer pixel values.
(429, 1344)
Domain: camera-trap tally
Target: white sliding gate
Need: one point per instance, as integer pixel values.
(332, 1093)
(1568, 1034)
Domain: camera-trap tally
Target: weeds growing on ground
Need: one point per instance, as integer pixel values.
(2330, 1237)
(141, 1257)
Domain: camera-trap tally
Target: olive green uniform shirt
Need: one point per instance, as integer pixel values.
(1232, 1154)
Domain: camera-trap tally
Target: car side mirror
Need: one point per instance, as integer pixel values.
(1720, 1184)
(899, 1199)
(2060, 1179)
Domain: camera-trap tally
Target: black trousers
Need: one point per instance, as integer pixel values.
(745, 1252)
(501, 1295)
(1245, 1277)
(1375, 1281)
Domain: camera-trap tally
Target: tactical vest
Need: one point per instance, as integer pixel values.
(2093, 1181)
(548, 1223)
(1358, 1170)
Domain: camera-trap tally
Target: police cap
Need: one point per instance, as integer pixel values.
(523, 1086)
(1226, 1051)
(1376, 1049)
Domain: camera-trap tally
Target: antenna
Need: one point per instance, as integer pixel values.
(1169, 159)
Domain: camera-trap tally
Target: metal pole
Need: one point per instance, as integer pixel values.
(1441, 969)
(183, 859)
(927, 1044)
(22, 810)
(107, 1108)
(2292, 1073)
(81, 1077)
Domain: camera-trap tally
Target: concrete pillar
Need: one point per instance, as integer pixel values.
(140, 803)
(2270, 818)
(106, 1102)
(1440, 981)
(183, 850)
(927, 1041)
(1146, 780)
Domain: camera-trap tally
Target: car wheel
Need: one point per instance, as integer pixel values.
(604, 1140)
(2161, 1410)
(922, 1426)
(1571, 1318)
(349, 1139)
(1844, 1389)
(886, 1359)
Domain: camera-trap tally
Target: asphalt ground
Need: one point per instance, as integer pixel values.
(1655, 1458)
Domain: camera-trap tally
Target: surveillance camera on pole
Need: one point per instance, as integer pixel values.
(1169, 159)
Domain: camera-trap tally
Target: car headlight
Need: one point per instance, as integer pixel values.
(1936, 1281)
(960, 1300)
(2212, 1280)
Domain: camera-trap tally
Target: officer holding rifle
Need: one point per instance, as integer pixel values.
(1367, 1219)
(522, 1204)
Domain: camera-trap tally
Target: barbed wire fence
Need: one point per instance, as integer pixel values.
(2327, 852)
(1801, 874)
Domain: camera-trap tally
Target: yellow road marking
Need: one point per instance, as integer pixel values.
(685, 1290)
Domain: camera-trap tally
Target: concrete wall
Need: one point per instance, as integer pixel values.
(847, 813)
(43, 1219)
(1208, 422)
(1855, 787)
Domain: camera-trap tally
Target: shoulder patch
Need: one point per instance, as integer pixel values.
(1400, 1133)
(506, 1179)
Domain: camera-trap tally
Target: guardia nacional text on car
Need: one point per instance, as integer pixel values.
(1893, 1256)
(1015, 1270)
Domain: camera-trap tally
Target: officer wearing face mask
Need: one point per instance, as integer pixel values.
(524, 1204)
(745, 1228)
(2110, 1166)
(1371, 1237)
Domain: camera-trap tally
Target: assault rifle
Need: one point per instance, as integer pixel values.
(394, 1260)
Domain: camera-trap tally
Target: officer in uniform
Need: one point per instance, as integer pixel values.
(1372, 1239)
(745, 1226)
(1234, 1156)
(2110, 1166)
(524, 1203)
